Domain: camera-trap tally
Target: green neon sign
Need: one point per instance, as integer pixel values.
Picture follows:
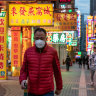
(62, 38)
(2, 14)
(79, 53)
(55, 37)
(70, 10)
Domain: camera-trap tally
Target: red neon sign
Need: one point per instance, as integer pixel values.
(65, 1)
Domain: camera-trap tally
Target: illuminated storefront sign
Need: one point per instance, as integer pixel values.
(30, 14)
(65, 1)
(15, 51)
(89, 34)
(63, 37)
(26, 40)
(64, 22)
(92, 39)
(73, 43)
(90, 26)
(65, 6)
(78, 23)
(3, 46)
(94, 24)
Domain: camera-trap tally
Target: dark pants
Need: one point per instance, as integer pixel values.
(47, 94)
(92, 75)
(67, 67)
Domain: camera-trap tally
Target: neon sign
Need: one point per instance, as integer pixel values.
(65, 1)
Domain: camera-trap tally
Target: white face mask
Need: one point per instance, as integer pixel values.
(39, 43)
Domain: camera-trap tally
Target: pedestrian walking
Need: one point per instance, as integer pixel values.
(92, 64)
(80, 62)
(40, 62)
(87, 61)
(68, 61)
(84, 60)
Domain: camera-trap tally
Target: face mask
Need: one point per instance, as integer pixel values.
(40, 43)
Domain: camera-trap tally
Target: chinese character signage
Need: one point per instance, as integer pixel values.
(60, 37)
(15, 50)
(89, 33)
(64, 22)
(26, 40)
(30, 14)
(90, 26)
(3, 45)
(79, 23)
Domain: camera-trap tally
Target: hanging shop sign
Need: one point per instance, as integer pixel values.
(90, 26)
(3, 45)
(15, 51)
(92, 39)
(79, 23)
(73, 43)
(64, 22)
(60, 37)
(30, 14)
(26, 40)
(94, 24)
(89, 32)
(65, 1)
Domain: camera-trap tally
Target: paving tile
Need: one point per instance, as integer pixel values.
(71, 82)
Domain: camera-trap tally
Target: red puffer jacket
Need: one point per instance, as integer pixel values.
(39, 68)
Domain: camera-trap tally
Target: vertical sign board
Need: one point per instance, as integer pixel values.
(26, 40)
(3, 45)
(89, 32)
(15, 51)
(78, 23)
(94, 25)
(63, 22)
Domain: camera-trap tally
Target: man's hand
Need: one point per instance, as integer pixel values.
(57, 92)
(23, 84)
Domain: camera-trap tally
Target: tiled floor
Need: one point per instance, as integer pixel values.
(75, 83)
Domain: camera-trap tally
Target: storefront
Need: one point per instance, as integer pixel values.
(23, 18)
(62, 36)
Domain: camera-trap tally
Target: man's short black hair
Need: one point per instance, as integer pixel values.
(40, 29)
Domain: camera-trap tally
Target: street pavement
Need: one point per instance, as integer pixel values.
(75, 83)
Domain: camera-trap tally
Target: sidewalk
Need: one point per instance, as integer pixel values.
(75, 83)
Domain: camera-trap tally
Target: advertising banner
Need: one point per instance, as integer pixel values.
(30, 14)
(3, 45)
(15, 51)
(26, 40)
(64, 22)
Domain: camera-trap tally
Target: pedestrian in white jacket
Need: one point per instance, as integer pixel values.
(92, 64)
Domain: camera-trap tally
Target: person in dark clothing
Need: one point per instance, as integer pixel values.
(84, 60)
(80, 62)
(87, 61)
(67, 61)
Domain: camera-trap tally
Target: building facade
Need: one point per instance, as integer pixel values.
(92, 7)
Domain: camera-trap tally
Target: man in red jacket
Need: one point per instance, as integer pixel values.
(40, 63)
